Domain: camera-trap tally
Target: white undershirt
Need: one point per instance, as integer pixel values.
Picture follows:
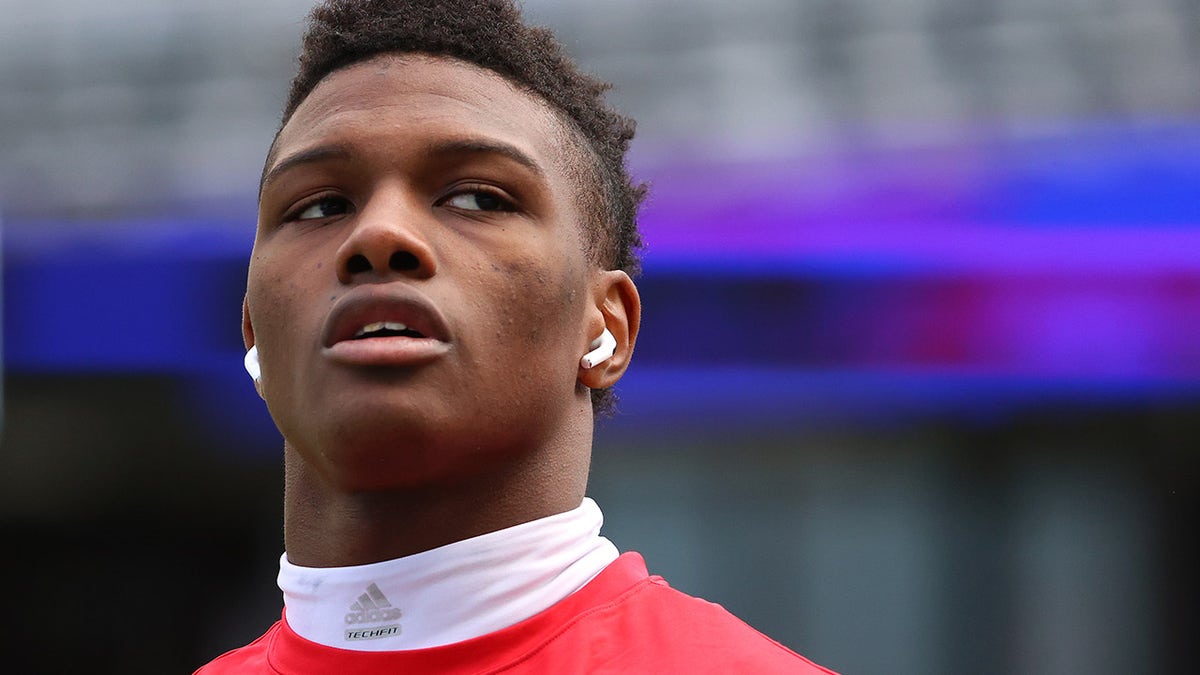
(448, 594)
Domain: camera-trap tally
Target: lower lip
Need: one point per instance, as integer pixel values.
(392, 351)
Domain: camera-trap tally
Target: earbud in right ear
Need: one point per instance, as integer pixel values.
(602, 347)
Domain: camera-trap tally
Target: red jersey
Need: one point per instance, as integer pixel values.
(623, 621)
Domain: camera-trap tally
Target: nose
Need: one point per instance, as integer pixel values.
(386, 240)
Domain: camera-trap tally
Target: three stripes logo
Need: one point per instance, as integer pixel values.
(372, 607)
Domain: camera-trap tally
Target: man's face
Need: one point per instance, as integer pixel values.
(419, 292)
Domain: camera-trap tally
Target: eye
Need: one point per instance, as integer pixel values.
(478, 199)
(323, 207)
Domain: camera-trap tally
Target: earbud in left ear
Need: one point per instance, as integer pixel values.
(602, 348)
(251, 363)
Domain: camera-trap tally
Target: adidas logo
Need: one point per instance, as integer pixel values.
(372, 607)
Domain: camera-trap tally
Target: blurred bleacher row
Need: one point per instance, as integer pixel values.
(133, 107)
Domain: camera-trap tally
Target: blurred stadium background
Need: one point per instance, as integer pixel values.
(918, 389)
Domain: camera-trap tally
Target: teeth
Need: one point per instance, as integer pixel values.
(380, 325)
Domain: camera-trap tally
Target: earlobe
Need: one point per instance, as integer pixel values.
(616, 312)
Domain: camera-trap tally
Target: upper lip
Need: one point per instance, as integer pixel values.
(370, 304)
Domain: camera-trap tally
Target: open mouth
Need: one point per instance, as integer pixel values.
(385, 329)
(386, 325)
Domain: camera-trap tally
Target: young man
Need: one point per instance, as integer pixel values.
(439, 299)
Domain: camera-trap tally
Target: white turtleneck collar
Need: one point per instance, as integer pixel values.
(449, 594)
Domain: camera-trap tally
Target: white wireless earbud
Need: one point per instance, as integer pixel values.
(251, 363)
(602, 347)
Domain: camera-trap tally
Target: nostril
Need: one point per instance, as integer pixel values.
(358, 264)
(403, 261)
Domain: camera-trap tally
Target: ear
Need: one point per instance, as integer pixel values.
(616, 306)
(248, 339)
(247, 329)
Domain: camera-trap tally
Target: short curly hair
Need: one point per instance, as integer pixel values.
(491, 34)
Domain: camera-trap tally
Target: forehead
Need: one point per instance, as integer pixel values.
(409, 97)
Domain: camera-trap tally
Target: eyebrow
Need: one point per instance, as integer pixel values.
(484, 147)
(310, 156)
(439, 149)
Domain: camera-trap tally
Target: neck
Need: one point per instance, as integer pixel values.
(325, 526)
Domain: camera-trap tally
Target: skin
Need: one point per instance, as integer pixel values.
(438, 182)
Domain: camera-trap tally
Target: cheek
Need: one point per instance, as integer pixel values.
(267, 291)
(540, 304)
(280, 300)
(276, 295)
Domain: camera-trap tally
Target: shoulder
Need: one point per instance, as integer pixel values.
(649, 627)
(249, 659)
(680, 633)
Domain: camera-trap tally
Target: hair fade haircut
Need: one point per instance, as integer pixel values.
(492, 35)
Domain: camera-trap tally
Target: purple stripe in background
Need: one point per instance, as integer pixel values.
(1124, 200)
(1068, 260)
(765, 242)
